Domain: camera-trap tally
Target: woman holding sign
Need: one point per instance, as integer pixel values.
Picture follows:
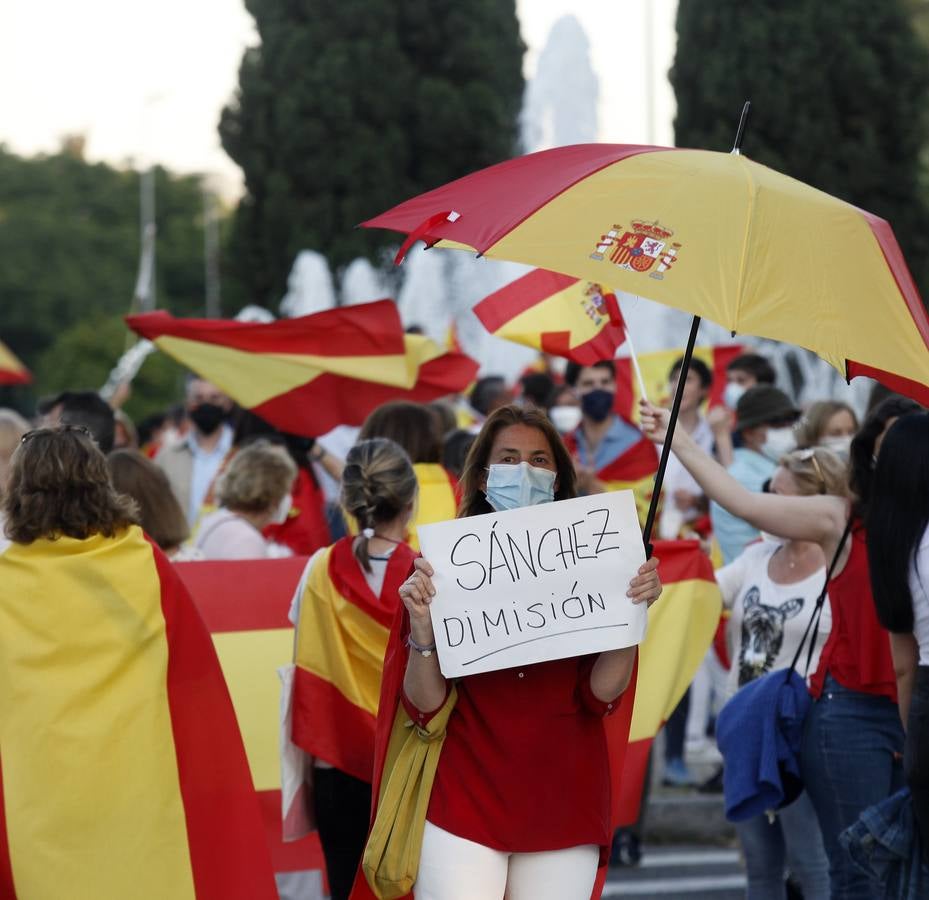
(521, 797)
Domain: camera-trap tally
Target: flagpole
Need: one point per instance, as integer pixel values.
(635, 360)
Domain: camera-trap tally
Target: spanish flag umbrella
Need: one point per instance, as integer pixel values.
(715, 234)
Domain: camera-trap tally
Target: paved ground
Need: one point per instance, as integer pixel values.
(691, 870)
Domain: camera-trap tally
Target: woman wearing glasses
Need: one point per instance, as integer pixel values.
(853, 739)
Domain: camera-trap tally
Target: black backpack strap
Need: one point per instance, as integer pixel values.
(813, 624)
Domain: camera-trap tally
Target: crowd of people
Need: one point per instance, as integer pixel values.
(776, 495)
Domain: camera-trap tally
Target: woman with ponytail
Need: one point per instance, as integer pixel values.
(343, 610)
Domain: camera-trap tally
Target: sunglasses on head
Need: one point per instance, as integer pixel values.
(80, 429)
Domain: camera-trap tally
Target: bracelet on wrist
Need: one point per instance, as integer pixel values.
(422, 650)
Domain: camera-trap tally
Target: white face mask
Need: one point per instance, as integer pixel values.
(513, 486)
(778, 442)
(565, 418)
(282, 511)
(732, 394)
(840, 445)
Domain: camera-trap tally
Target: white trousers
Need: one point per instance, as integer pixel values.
(454, 868)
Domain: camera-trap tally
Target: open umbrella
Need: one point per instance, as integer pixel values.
(711, 233)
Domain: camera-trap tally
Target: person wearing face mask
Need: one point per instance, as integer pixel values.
(829, 424)
(521, 797)
(610, 453)
(853, 739)
(192, 464)
(745, 371)
(764, 421)
(253, 492)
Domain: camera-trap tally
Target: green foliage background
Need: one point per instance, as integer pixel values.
(839, 96)
(350, 106)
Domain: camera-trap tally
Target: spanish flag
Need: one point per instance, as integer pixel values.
(12, 371)
(245, 606)
(123, 772)
(339, 654)
(655, 369)
(632, 470)
(307, 375)
(681, 626)
(556, 314)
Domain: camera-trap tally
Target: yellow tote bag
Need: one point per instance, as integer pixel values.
(391, 857)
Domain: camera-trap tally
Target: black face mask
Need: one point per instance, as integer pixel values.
(597, 404)
(207, 417)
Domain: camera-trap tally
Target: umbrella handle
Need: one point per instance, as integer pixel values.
(666, 449)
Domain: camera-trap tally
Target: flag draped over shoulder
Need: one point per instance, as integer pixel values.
(308, 375)
(339, 652)
(245, 606)
(681, 626)
(123, 772)
(556, 314)
(12, 371)
(632, 470)
(655, 369)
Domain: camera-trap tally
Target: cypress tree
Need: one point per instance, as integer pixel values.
(349, 106)
(838, 95)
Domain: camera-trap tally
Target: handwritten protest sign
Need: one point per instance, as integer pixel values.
(532, 584)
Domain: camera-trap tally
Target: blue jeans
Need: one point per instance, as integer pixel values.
(851, 759)
(792, 841)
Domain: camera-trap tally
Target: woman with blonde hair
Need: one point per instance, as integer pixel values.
(771, 589)
(253, 492)
(827, 423)
(342, 610)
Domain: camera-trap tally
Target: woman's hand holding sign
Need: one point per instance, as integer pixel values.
(423, 682)
(417, 593)
(646, 586)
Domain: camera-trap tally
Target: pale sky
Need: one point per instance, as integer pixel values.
(148, 82)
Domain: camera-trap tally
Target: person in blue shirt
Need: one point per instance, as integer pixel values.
(764, 419)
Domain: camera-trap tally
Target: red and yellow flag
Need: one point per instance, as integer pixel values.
(123, 772)
(632, 470)
(556, 314)
(655, 369)
(681, 626)
(245, 605)
(308, 375)
(339, 654)
(12, 371)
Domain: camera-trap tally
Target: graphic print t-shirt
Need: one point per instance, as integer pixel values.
(768, 619)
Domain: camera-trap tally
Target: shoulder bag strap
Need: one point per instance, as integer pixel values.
(813, 624)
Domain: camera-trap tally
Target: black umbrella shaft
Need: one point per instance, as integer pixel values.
(666, 449)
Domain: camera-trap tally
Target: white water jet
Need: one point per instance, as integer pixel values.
(362, 283)
(309, 286)
(423, 298)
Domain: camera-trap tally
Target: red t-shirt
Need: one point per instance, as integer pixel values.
(857, 653)
(524, 766)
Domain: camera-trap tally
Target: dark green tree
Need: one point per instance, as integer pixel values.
(839, 98)
(349, 106)
(69, 240)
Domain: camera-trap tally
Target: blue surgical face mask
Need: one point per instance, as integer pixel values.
(511, 487)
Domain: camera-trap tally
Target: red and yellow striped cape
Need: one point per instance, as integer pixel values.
(123, 771)
(339, 653)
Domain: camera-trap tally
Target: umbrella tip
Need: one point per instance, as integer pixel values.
(740, 132)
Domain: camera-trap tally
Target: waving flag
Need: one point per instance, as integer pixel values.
(655, 368)
(12, 371)
(123, 773)
(244, 605)
(681, 626)
(308, 375)
(556, 314)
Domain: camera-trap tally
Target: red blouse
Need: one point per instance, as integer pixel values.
(524, 766)
(857, 653)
